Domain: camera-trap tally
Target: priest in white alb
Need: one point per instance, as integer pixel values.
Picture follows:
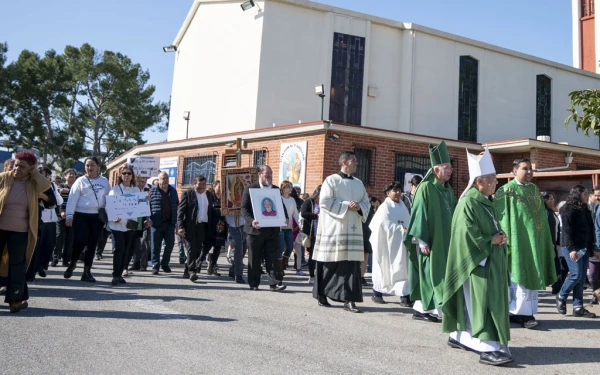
(339, 242)
(390, 256)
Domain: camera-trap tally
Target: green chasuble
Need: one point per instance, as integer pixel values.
(430, 220)
(522, 217)
(473, 228)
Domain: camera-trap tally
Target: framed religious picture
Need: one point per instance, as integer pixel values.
(267, 207)
(233, 183)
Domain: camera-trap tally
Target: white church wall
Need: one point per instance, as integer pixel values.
(506, 93)
(296, 56)
(385, 68)
(216, 72)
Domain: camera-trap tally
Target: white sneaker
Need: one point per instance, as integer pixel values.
(300, 273)
(311, 280)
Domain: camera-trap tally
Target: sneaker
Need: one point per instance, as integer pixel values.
(311, 280)
(583, 313)
(300, 273)
(378, 300)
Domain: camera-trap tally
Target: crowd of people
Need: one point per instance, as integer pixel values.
(474, 264)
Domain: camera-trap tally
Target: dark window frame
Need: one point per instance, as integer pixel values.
(543, 105)
(258, 155)
(202, 168)
(468, 98)
(366, 158)
(406, 162)
(347, 79)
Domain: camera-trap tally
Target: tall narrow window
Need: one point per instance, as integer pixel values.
(347, 71)
(260, 157)
(364, 157)
(467, 99)
(543, 105)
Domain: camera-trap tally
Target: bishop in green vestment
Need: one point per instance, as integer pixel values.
(475, 305)
(522, 216)
(428, 236)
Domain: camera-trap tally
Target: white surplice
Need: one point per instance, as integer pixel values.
(390, 256)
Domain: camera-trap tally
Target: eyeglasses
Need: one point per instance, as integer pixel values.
(126, 173)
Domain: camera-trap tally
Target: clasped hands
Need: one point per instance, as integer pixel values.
(353, 206)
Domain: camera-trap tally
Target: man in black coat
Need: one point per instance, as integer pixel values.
(194, 214)
(262, 242)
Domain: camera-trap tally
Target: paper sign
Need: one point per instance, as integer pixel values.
(127, 206)
(145, 166)
(169, 165)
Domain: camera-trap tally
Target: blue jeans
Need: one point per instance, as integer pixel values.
(286, 239)
(182, 256)
(239, 240)
(574, 282)
(164, 231)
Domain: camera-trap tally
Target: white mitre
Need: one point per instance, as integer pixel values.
(479, 165)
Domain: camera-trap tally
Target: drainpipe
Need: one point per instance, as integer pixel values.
(568, 160)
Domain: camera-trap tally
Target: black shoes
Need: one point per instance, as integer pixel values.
(166, 269)
(323, 301)
(495, 358)
(457, 345)
(54, 263)
(277, 288)
(42, 273)
(186, 273)
(583, 313)
(378, 299)
(253, 288)
(426, 317)
(528, 322)
(193, 276)
(364, 281)
(181, 260)
(69, 271)
(351, 307)
(87, 275)
(561, 305)
(122, 281)
(114, 281)
(405, 301)
(240, 281)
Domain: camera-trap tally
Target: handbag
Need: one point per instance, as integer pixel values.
(102, 215)
(306, 240)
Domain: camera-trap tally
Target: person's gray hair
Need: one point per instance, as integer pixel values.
(70, 170)
(345, 155)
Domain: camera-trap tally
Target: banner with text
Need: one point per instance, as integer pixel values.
(127, 206)
(145, 166)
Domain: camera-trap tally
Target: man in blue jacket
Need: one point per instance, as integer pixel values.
(163, 213)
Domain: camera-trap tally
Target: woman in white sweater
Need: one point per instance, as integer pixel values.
(86, 197)
(124, 237)
(286, 236)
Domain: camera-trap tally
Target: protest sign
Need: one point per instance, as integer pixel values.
(127, 206)
(145, 166)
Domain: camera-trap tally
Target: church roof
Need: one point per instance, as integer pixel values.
(394, 24)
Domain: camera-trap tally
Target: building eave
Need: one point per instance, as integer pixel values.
(526, 144)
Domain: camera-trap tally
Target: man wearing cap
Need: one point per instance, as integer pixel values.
(522, 215)
(429, 230)
(475, 304)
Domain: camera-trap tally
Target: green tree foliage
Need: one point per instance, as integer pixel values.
(585, 111)
(63, 104)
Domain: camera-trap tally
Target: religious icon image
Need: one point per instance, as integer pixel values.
(267, 207)
(292, 163)
(292, 167)
(235, 181)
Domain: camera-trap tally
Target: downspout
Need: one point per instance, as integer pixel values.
(568, 160)
(412, 79)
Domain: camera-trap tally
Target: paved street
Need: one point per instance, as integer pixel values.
(167, 325)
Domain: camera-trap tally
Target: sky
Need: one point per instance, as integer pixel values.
(140, 28)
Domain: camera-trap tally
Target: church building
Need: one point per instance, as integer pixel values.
(298, 82)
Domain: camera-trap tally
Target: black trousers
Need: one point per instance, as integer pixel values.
(209, 243)
(123, 247)
(311, 262)
(142, 253)
(102, 240)
(266, 245)
(63, 248)
(46, 241)
(16, 287)
(86, 231)
(193, 242)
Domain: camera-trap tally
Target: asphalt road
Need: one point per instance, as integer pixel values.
(167, 325)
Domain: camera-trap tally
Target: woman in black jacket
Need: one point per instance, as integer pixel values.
(577, 240)
(310, 214)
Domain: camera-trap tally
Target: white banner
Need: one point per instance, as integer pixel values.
(127, 206)
(145, 166)
(169, 165)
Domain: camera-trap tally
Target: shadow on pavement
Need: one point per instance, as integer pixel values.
(136, 315)
(107, 294)
(541, 356)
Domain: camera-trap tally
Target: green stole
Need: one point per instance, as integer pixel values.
(473, 227)
(522, 215)
(430, 220)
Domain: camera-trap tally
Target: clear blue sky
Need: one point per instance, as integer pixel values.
(140, 28)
